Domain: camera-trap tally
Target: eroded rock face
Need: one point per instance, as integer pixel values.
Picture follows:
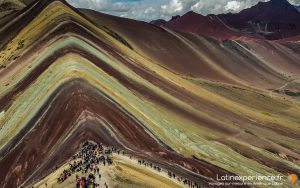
(196, 106)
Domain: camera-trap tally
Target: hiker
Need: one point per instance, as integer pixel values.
(77, 182)
(82, 182)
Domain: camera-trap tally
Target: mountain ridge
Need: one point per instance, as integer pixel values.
(258, 21)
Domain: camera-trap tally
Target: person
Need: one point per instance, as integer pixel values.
(82, 183)
(77, 182)
(92, 185)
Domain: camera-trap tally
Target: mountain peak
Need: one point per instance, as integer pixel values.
(174, 17)
(279, 1)
(158, 22)
(280, 4)
(273, 19)
(276, 5)
(193, 14)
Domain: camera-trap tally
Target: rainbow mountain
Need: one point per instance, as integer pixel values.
(194, 105)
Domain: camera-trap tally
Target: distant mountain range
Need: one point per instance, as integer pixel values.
(158, 22)
(273, 20)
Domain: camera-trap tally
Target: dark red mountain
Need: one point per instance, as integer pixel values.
(274, 19)
(199, 24)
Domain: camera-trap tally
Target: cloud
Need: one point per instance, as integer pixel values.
(295, 2)
(149, 10)
(155, 9)
(232, 5)
(179, 7)
(101, 5)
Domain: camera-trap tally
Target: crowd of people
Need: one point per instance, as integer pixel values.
(87, 161)
(149, 164)
(89, 158)
(183, 180)
(171, 175)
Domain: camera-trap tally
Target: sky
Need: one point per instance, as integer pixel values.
(148, 10)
